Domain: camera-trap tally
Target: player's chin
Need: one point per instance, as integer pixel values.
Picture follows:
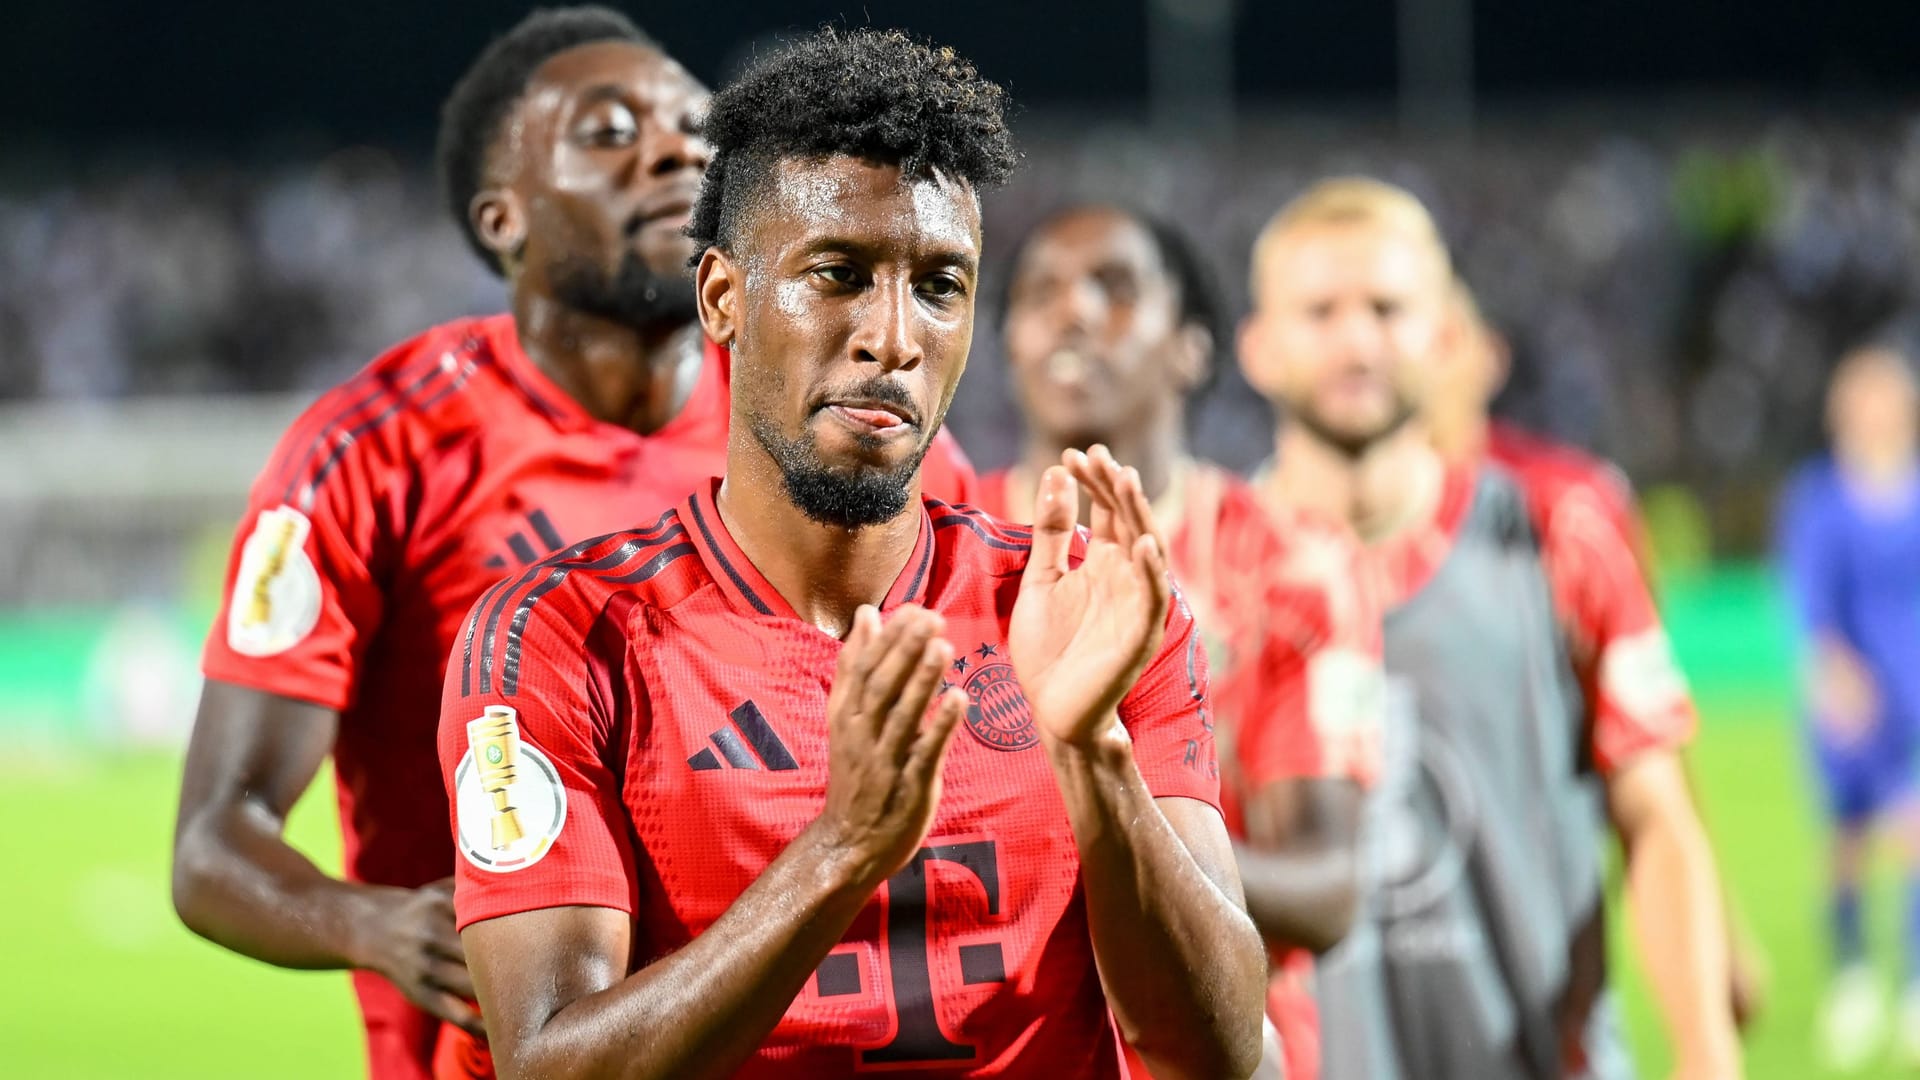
(665, 250)
(1068, 415)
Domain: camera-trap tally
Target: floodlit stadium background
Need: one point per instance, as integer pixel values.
(1678, 211)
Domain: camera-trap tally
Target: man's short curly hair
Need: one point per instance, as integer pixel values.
(879, 96)
(475, 113)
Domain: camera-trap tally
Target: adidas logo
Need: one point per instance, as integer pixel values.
(761, 747)
(523, 549)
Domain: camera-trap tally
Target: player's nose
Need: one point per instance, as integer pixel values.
(1079, 307)
(670, 147)
(887, 331)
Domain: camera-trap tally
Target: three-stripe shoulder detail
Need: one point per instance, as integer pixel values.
(492, 637)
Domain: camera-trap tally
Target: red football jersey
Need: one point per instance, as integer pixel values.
(653, 715)
(388, 507)
(1292, 625)
(1637, 698)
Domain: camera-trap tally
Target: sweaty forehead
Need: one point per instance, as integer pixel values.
(639, 70)
(872, 205)
(1083, 241)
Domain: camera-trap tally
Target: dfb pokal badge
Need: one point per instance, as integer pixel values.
(511, 801)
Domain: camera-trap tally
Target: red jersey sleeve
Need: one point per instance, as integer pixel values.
(302, 593)
(1637, 696)
(530, 739)
(1312, 701)
(946, 474)
(1169, 717)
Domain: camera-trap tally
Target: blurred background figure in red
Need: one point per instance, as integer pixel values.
(1678, 220)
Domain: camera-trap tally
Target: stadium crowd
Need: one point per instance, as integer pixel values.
(1675, 293)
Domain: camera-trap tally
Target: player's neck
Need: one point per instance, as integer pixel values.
(1462, 438)
(621, 375)
(823, 572)
(1877, 465)
(1382, 492)
(1156, 449)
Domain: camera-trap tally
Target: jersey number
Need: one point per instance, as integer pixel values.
(919, 1037)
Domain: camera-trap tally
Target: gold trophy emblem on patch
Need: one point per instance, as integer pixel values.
(495, 742)
(260, 602)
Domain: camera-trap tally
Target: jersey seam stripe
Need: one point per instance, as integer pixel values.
(553, 412)
(525, 577)
(378, 386)
(554, 576)
(998, 526)
(556, 570)
(473, 626)
(345, 439)
(981, 531)
(713, 547)
(926, 558)
(516, 627)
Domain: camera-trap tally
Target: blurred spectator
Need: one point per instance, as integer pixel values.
(1673, 293)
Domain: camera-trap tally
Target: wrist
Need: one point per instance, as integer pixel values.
(367, 908)
(1709, 1054)
(841, 865)
(1105, 742)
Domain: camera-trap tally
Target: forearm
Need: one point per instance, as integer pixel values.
(703, 1010)
(1181, 962)
(1680, 927)
(1300, 898)
(237, 883)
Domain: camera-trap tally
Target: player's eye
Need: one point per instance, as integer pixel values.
(941, 287)
(838, 275)
(1120, 289)
(1386, 309)
(613, 126)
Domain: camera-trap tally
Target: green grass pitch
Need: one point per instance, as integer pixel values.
(97, 979)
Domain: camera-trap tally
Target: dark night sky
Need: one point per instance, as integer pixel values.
(241, 72)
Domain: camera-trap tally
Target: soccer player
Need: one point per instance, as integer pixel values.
(1474, 954)
(1111, 328)
(1594, 553)
(708, 825)
(571, 157)
(1849, 544)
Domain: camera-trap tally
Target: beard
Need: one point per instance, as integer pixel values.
(1347, 442)
(634, 294)
(846, 497)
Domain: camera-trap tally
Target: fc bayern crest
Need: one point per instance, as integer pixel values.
(997, 711)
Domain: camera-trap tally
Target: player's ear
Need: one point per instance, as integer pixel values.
(1500, 355)
(500, 222)
(715, 287)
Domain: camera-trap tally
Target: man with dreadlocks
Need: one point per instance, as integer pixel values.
(571, 157)
(719, 815)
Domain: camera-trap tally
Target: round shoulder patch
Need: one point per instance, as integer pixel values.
(510, 802)
(276, 595)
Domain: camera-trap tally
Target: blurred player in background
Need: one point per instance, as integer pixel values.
(571, 157)
(1111, 330)
(1849, 545)
(1594, 550)
(1475, 954)
(709, 740)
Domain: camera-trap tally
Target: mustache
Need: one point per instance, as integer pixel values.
(879, 390)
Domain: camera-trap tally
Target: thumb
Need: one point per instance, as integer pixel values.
(1055, 512)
